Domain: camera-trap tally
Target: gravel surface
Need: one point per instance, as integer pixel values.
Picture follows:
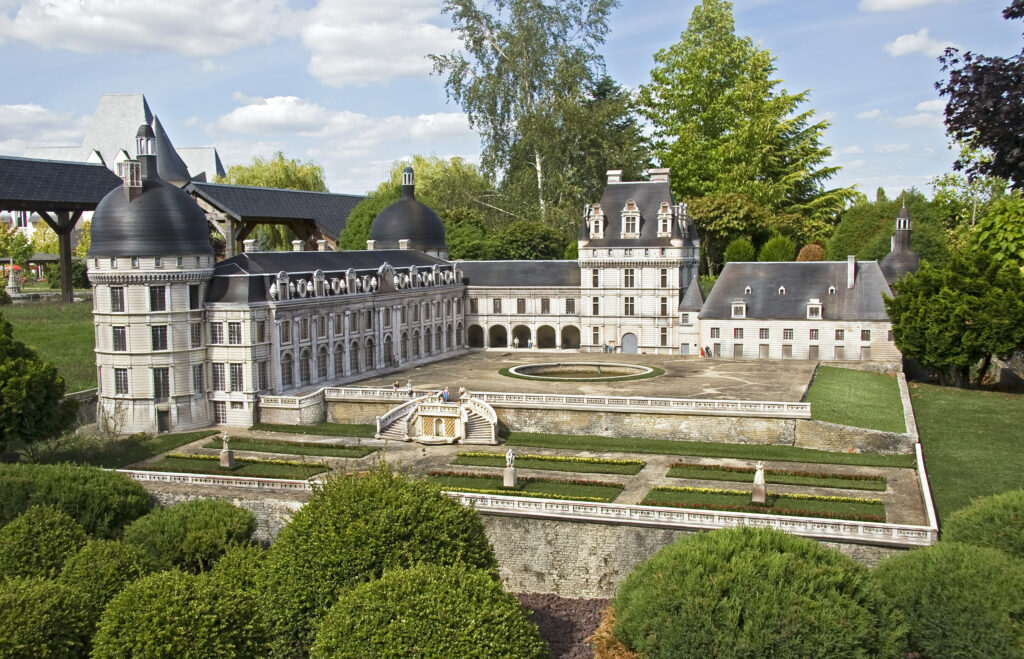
(564, 623)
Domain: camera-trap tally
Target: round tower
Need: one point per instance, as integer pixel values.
(150, 262)
(409, 224)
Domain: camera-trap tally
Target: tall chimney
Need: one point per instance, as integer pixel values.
(851, 270)
(615, 176)
(659, 175)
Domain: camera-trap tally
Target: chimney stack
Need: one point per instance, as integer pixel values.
(403, 243)
(370, 244)
(297, 246)
(615, 176)
(249, 245)
(659, 175)
(321, 245)
(851, 270)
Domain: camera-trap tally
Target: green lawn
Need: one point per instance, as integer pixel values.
(711, 472)
(856, 398)
(552, 463)
(114, 453)
(775, 504)
(62, 334)
(294, 448)
(242, 468)
(332, 429)
(973, 443)
(530, 487)
(705, 449)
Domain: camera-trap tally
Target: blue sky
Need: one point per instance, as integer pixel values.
(344, 82)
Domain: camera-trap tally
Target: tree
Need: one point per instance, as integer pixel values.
(529, 241)
(724, 217)
(985, 108)
(44, 618)
(995, 521)
(865, 229)
(961, 199)
(526, 69)
(1001, 231)
(39, 542)
(14, 245)
(739, 250)
(32, 403)
(778, 248)
(723, 126)
(812, 252)
(277, 172)
(951, 319)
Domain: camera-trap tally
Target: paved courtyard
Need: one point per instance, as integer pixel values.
(685, 377)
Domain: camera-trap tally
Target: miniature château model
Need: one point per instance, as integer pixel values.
(184, 342)
(901, 259)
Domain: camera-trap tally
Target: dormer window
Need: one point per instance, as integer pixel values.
(831, 290)
(135, 261)
(630, 220)
(814, 309)
(739, 309)
(596, 222)
(782, 290)
(665, 220)
(746, 291)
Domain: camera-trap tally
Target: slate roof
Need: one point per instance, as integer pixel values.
(514, 274)
(246, 277)
(693, 299)
(648, 196)
(408, 219)
(30, 184)
(170, 165)
(328, 211)
(802, 281)
(203, 162)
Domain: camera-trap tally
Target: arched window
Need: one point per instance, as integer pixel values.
(371, 362)
(304, 367)
(321, 363)
(438, 331)
(415, 343)
(339, 360)
(458, 335)
(287, 370)
(353, 358)
(405, 346)
(428, 347)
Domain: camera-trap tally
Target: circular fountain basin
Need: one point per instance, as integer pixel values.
(582, 371)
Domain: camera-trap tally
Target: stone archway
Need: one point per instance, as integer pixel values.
(546, 337)
(389, 351)
(571, 337)
(475, 336)
(497, 336)
(629, 343)
(523, 334)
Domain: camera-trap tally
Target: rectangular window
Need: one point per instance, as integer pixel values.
(117, 298)
(337, 323)
(236, 377)
(237, 405)
(261, 370)
(158, 298)
(217, 377)
(737, 333)
(135, 261)
(120, 339)
(261, 331)
(865, 335)
(304, 329)
(595, 277)
(684, 318)
(813, 335)
(626, 252)
(158, 262)
(520, 306)
(235, 333)
(197, 379)
(474, 305)
(664, 278)
(121, 381)
(595, 306)
(415, 313)
(286, 331)
(159, 337)
(161, 384)
(787, 335)
(664, 336)
(426, 311)
(193, 296)
(496, 305)
(715, 333)
(402, 315)
(628, 306)
(763, 333)
(387, 317)
(195, 331)
(369, 319)
(220, 412)
(664, 306)
(628, 278)
(597, 335)
(739, 311)
(840, 335)
(888, 336)
(813, 312)
(216, 333)
(570, 306)
(545, 305)
(631, 222)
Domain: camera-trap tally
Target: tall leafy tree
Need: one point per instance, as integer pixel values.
(866, 227)
(1001, 231)
(277, 172)
(723, 124)
(985, 108)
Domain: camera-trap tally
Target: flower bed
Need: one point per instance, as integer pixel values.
(802, 505)
(778, 476)
(294, 448)
(210, 464)
(572, 489)
(551, 462)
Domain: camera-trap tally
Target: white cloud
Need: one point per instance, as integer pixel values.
(918, 42)
(870, 114)
(358, 42)
(919, 120)
(208, 66)
(938, 105)
(851, 150)
(892, 148)
(33, 124)
(895, 5)
(195, 28)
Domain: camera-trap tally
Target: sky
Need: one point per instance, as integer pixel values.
(345, 83)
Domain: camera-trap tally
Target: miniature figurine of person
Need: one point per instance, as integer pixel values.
(510, 458)
(408, 387)
(224, 441)
(444, 394)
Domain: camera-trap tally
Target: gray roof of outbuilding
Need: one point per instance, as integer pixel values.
(516, 274)
(802, 281)
(648, 195)
(246, 277)
(328, 211)
(693, 299)
(30, 184)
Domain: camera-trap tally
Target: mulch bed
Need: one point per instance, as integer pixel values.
(564, 623)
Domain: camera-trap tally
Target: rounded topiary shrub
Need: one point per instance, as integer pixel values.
(175, 614)
(241, 565)
(352, 529)
(749, 592)
(103, 567)
(429, 611)
(191, 535)
(38, 543)
(44, 618)
(958, 600)
(101, 501)
(995, 521)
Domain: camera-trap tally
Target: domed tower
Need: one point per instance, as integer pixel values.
(408, 224)
(901, 259)
(150, 262)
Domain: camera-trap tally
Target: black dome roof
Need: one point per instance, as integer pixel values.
(898, 263)
(162, 220)
(408, 218)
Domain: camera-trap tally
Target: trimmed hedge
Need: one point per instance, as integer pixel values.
(429, 611)
(241, 565)
(352, 530)
(958, 600)
(996, 521)
(43, 618)
(749, 592)
(101, 501)
(191, 535)
(104, 567)
(177, 615)
(38, 543)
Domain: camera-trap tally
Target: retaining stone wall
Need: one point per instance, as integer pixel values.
(358, 411)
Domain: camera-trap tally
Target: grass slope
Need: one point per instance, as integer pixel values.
(62, 334)
(856, 398)
(972, 440)
(115, 453)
